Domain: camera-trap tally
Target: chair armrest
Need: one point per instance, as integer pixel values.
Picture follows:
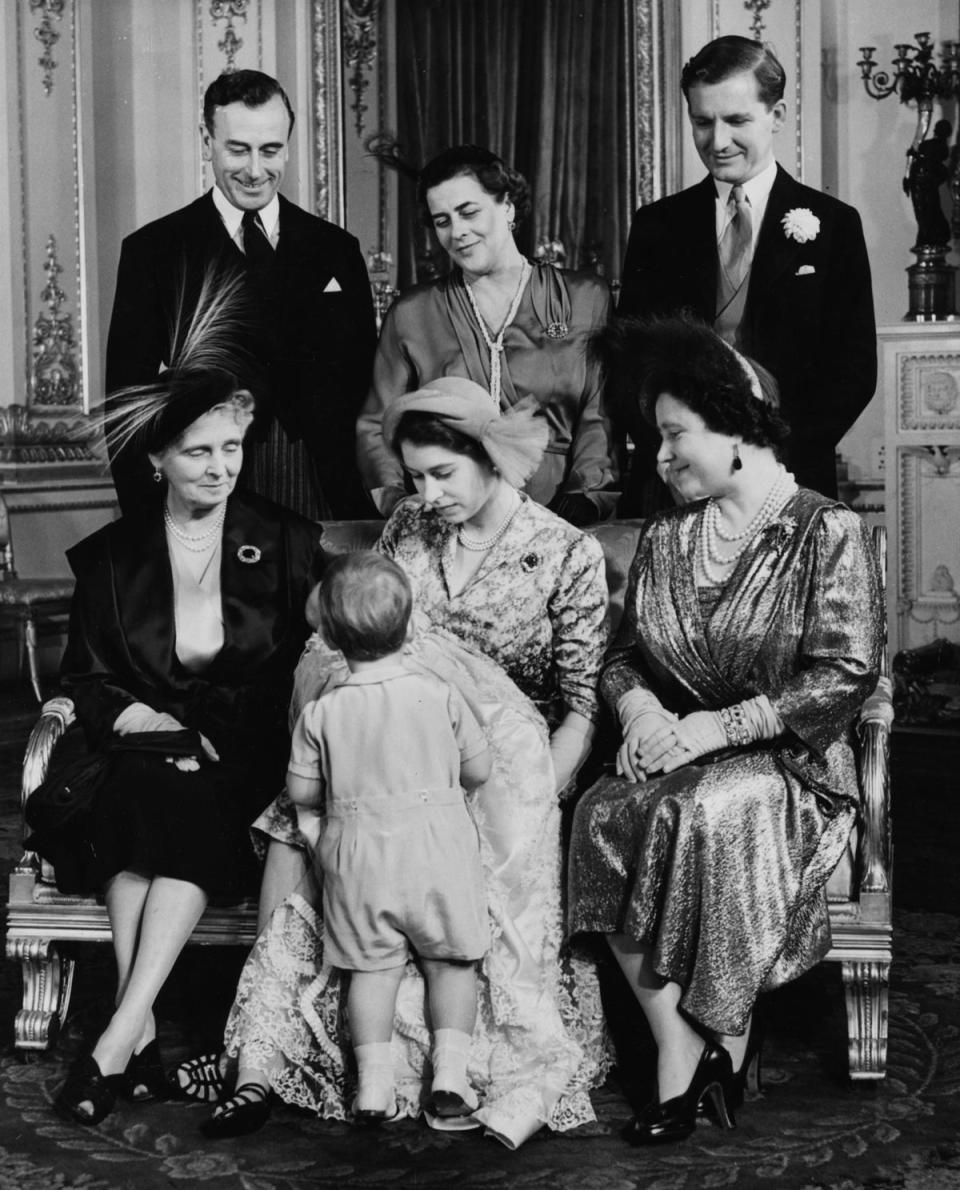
(873, 730)
(55, 717)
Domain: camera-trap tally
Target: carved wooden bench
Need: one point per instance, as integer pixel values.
(40, 918)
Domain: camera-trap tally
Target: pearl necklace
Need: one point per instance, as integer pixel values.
(479, 545)
(711, 533)
(201, 542)
(495, 345)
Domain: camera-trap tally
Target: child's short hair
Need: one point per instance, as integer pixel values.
(363, 604)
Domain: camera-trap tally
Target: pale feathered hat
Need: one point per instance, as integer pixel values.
(513, 441)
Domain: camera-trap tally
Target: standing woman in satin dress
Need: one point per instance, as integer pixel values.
(751, 637)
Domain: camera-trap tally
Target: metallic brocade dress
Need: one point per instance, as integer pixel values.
(720, 867)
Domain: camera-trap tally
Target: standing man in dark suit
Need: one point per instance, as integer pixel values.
(778, 268)
(307, 329)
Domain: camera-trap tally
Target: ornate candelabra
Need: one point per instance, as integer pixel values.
(917, 78)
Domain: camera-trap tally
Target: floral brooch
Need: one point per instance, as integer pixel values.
(529, 563)
(249, 554)
(801, 225)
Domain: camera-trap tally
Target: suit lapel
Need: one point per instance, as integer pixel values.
(775, 253)
(697, 237)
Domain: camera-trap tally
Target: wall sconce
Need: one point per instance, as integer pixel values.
(917, 78)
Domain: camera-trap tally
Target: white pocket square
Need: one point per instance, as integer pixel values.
(332, 286)
(805, 270)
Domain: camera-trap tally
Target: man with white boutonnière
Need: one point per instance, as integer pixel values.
(305, 327)
(780, 270)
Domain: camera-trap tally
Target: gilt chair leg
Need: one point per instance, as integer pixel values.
(30, 632)
(47, 983)
(866, 985)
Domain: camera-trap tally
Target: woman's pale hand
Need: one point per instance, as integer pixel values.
(696, 734)
(646, 738)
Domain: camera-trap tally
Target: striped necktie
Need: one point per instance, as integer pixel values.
(737, 240)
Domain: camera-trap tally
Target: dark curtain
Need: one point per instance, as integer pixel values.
(543, 83)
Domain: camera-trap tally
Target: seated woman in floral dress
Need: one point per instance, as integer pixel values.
(511, 602)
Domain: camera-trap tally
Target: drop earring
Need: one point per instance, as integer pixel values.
(157, 475)
(737, 461)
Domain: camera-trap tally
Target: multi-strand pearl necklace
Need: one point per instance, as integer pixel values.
(479, 545)
(201, 542)
(711, 529)
(495, 345)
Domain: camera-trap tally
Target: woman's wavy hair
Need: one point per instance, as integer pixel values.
(496, 178)
(683, 356)
(420, 428)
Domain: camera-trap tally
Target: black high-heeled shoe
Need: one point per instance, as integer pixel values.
(144, 1078)
(246, 1111)
(748, 1076)
(86, 1083)
(674, 1120)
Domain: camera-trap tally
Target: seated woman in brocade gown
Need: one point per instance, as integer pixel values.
(518, 329)
(189, 615)
(751, 636)
(511, 601)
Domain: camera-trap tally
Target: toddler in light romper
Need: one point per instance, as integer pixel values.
(385, 757)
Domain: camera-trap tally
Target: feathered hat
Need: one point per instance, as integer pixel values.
(643, 357)
(513, 441)
(207, 361)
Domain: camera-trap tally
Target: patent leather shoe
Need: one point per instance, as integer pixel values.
(86, 1083)
(661, 1123)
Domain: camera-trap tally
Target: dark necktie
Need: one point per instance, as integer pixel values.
(737, 240)
(256, 246)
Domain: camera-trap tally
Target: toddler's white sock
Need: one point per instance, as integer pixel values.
(450, 1091)
(375, 1079)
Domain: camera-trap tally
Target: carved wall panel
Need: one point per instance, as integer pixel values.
(920, 376)
(46, 420)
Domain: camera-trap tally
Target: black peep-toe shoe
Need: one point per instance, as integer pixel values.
(144, 1078)
(86, 1083)
(246, 1111)
(712, 1081)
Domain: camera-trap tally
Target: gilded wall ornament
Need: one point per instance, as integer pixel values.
(360, 51)
(48, 36)
(28, 439)
(229, 11)
(757, 8)
(54, 378)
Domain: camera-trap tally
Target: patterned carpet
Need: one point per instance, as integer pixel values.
(809, 1130)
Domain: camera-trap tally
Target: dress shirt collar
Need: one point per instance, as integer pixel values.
(757, 191)
(232, 217)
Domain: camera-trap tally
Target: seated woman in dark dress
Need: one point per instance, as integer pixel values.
(189, 615)
(751, 636)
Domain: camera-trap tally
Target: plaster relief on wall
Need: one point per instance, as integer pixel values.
(229, 11)
(929, 391)
(928, 605)
(360, 36)
(55, 376)
(48, 36)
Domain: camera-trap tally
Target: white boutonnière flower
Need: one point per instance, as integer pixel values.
(801, 225)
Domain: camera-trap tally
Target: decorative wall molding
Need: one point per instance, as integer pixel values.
(48, 36)
(929, 391)
(28, 439)
(55, 376)
(229, 11)
(757, 8)
(327, 110)
(361, 28)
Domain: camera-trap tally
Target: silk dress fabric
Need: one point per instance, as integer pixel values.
(721, 867)
(529, 625)
(432, 331)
